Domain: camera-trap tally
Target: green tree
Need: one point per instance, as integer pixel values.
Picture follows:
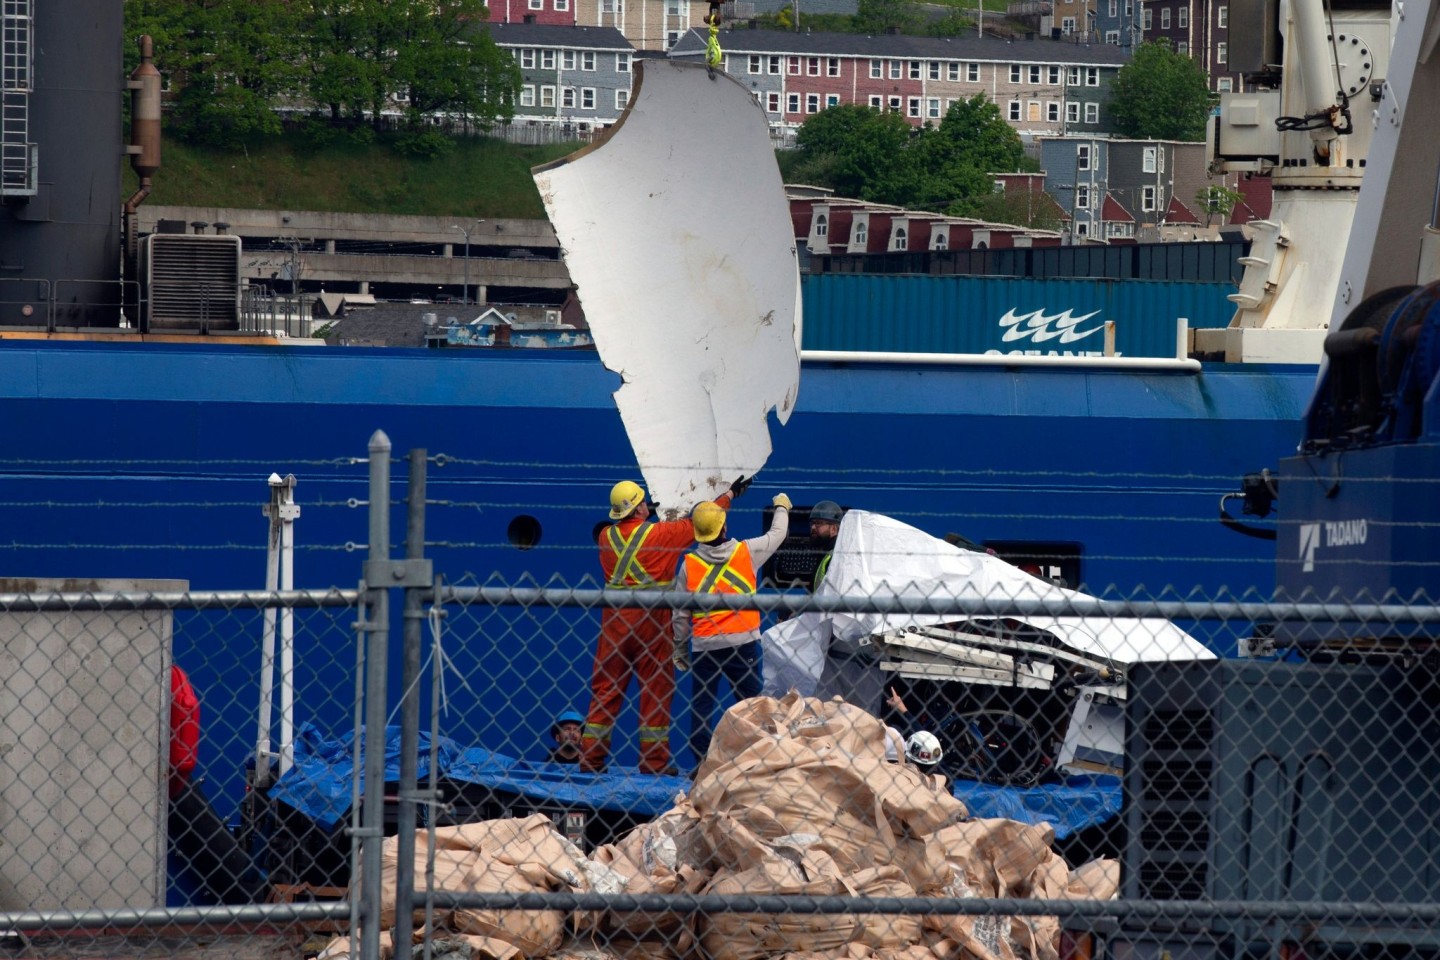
(972, 142)
(1216, 200)
(878, 16)
(1160, 95)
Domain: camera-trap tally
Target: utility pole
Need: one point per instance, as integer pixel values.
(465, 232)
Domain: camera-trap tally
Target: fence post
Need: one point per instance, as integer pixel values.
(376, 655)
(414, 617)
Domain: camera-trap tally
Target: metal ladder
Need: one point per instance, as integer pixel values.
(17, 153)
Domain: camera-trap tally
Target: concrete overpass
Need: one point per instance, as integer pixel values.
(340, 249)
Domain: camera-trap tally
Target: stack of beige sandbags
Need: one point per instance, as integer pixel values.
(794, 798)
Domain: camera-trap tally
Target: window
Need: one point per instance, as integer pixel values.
(934, 70)
(756, 65)
(1092, 113)
(1032, 111)
(1082, 229)
(587, 61)
(567, 97)
(1015, 110)
(1182, 48)
(1082, 156)
(1147, 198)
(612, 6)
(952, 72)
(932, 108)
(1067, 26)
(527, 95)
(772, 102)
(622, 63)
(1052, 111)
(861, 232)
(527, 59)
(812, 103)
(1072, 76)
(1082, 197)
(773, 66)
(792, 103)
(1053, 76)
(1182, 17)
(547, 59)
(1072, 111)
(567, 59)
(915, 70)
(1147, 19)
(1165, 19)
(562, 5)
(547, 97)
(1014, 73)
(894, 104)
(822, 225)
(1224, 85)
(672, 37)
(877, 102)
(1148, 161)
(812, 66)
(997, 186)
(896, 67)
(1222, 52)
(832, 100)
(587, 98)
(537, 4)
(1222, 16)
(902, 242)
(1035, 75)
(793, 64)
(1092, 76)
(1160, 159)
(622, 99)
(972, 72)
(1112, 37)
(832, 67)
(1129, 9)
(913, 107)
(1114, 8)
(673, 8)
(941, 242)
(876, 71)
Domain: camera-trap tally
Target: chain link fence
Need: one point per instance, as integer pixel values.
(938, 753)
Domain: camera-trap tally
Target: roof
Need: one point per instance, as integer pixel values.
(556, 35)
(1113, 210)
(391, 324)
(1177, 212)
(1042, 50)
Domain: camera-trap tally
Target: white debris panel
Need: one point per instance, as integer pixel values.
(878, 555)
(677, 233)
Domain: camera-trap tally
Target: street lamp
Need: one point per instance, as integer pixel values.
(465, 231)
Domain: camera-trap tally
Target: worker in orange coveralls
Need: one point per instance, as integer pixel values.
(637, 642)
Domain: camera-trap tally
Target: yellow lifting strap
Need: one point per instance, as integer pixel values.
(713, 54)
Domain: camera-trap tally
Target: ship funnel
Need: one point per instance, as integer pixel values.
(144, 89)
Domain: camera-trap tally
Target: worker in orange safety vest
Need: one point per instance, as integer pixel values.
(637, 643)
(725, 643)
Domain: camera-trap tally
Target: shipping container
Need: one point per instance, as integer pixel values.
(913, 314)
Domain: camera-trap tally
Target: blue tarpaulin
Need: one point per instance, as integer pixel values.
(319, 786)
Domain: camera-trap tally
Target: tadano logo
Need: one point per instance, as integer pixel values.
(1041, 327)
(1309, 540)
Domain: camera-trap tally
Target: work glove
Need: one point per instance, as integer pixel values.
(741, 484)
(781, 501)
(681, 657)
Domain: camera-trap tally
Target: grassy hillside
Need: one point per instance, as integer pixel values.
(479, 177)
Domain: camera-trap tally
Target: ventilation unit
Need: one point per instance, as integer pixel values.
(192, 283)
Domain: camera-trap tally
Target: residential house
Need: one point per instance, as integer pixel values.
(1075, 19)
(1140, 176)
(1044, 87)
(1119, 23)
(647, 24)
(1200, 29)
(828, 225)
(573, 76)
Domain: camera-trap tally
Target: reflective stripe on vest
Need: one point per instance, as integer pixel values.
(820, 572)
(628, 573)
(735, 575)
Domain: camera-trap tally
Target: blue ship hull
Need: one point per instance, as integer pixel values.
(150, 460)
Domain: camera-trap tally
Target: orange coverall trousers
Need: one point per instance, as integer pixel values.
(638, 643)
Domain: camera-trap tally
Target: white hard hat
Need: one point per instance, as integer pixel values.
(923, 747)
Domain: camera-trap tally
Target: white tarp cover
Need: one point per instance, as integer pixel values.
(677, 233)
(876, 554)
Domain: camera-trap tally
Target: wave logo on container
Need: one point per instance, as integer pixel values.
(1309, 540)
(1040, 326)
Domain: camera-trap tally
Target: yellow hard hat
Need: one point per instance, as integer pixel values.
(625, 496)
(708, 519)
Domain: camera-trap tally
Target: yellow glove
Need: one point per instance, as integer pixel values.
(781, 501)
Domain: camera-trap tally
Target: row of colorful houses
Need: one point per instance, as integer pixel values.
(581, 76)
